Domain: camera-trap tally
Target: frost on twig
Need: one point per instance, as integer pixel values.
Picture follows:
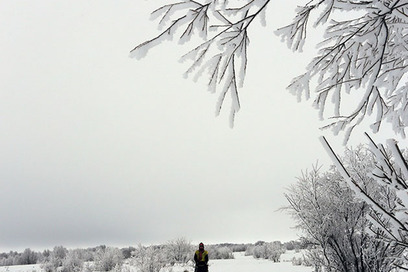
(389, 202)
(222, 51)
(364, 56)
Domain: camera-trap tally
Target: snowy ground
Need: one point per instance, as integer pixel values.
(21, 268)
(241, 263)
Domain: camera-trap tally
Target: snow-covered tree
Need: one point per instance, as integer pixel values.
(108, 258)
(271, 251)
(335, 221)
(220, 252)
(388, 205)
(73, 261)
(55, 259)
(149, 259)
(28, 257)
(275, 250)
(179, 250)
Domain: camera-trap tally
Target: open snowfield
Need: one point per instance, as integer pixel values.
(21, 268)
(241, 263)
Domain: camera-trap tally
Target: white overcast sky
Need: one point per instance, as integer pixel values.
(98, 148)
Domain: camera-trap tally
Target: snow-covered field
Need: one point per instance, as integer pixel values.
(241, 263)
(21, 268)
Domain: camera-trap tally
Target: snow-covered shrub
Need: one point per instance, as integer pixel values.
(221, 252)
(271, 251)
(306, 261)
(28, 257)
(179, 251)
(249, 251)
(313, 257)
(294, 245)
(389, 199)
(296, 261)
(88, 267)
(48, 267)
(127, 252)
(275, 250)
(149, 259)
(334, 220)
(238, 247)
(107, 259)
(59, 253)
(72, 262)
(301, 260)
(55, 259)
(258, 252)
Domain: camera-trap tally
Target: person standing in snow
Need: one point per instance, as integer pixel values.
(201, 259)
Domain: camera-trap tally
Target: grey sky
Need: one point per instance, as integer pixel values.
(97, 148)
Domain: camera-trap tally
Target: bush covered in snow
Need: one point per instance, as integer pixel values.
(178, 251)
(72, 262)
(335, 221)
(149, 259)
(264, 250)
(55, 259)
(106, 259)
(220, 252)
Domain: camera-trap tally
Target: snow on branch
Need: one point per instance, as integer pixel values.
(364, 56)
(222, 51)
(390, 172)
(360, 70)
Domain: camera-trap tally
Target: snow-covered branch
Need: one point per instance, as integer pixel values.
(363, 57)
(222, 50)
(390, 212)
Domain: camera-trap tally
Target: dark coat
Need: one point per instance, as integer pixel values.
(201, 264)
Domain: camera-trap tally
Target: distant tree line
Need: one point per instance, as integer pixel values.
(26, 257)
(146, 258)
(57, 255)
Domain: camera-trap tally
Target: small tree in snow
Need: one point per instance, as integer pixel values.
(220, 252)
(275, 250)
(389, 206)
(73, 261)
(55, 259)
(28, 257)
(271, 251)
(107, 259)
(335, 221)
(149, 259)
(179, 250)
